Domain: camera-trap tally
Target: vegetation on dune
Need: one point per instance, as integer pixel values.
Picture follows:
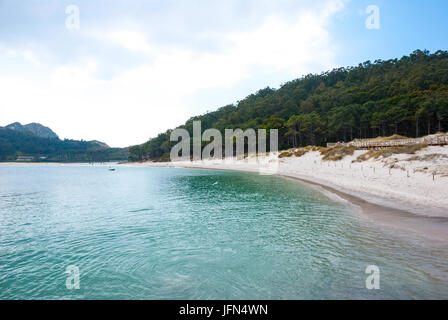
(407, 97)
(389, 151)
(392, 137)
(336, 153)
(298, 152)
(339, 152)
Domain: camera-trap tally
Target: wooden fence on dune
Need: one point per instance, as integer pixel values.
(436, 140)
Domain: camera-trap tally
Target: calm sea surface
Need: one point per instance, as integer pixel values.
(166, 233)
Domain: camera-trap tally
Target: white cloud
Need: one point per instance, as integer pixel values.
(25, 54)
(156, 93)
(130, 40)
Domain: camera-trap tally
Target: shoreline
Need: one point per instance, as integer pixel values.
(431, 222)
(418, 218)
(430, 227)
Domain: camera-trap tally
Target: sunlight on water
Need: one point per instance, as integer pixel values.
(163, 233)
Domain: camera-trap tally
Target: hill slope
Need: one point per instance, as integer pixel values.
(39, 141)
(407, 96)
(34, 128)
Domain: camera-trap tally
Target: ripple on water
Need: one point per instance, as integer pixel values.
(158, 233)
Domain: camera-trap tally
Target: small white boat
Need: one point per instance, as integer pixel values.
(111, 169)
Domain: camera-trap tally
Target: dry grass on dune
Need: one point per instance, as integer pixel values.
(298, 152)
(389, 151)
(328, 154)
(336, 153)
(285, 154)
(393, 137)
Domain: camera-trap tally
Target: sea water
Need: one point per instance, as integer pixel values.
(169, 233)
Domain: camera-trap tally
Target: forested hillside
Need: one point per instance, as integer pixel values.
(14, 143)
(407, 96)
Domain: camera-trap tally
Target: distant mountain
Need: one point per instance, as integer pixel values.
(16, 126)
(99, 144)
(35, 128)
(38, 142)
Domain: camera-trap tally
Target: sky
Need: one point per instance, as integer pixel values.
(127, 70)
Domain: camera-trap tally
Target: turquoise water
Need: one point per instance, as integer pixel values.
(165, 233)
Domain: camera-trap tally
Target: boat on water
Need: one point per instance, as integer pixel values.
(111, 169)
